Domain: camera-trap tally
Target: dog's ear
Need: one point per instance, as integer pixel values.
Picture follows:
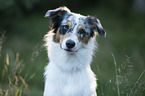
(57, 16)
(95, 25)
(57, 12)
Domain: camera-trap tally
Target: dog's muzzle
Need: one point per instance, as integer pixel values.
(69, 46)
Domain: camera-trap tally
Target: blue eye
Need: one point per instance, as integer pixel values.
(63, 29)
(82, 33)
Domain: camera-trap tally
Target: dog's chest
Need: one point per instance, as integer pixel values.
(72, 84)
(66, 83)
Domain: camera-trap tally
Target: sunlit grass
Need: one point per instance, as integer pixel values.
(13, 83)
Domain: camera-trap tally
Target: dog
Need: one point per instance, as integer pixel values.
(71, 44)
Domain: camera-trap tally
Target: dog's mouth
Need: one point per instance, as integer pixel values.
(70, 50)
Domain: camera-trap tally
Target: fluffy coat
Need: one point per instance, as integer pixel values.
(68, 72)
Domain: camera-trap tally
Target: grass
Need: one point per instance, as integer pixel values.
(117, 81)
(131, 90)
(125, 39)
(13, 84)
(137, 82)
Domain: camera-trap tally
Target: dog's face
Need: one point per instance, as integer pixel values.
(73, 31)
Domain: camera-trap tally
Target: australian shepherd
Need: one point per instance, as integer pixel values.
(71, 44)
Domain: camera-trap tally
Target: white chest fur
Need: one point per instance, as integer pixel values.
(64, 83)
(69, 74)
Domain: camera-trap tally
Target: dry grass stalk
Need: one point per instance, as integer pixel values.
(16, 82)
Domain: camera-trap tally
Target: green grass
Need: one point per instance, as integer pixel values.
(125, 39)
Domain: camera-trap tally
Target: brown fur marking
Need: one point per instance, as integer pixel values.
(62, 37)
(80, 27)
(57, 37)
(69, 23)
(85, 39)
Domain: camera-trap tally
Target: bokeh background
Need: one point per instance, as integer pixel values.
(119, 63)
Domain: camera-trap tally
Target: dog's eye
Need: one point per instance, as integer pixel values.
(82, 33)
(63, 29)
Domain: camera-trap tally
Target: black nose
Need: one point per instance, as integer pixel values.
(70, 43)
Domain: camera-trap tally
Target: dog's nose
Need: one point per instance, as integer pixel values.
(70, 43)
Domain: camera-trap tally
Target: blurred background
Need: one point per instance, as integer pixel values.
(119, 63)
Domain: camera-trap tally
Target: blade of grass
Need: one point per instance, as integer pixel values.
(20, 92)
(131, 92)
(16, 94)
(116, 74)
(100, 80)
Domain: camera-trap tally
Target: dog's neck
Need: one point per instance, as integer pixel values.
(66, 61)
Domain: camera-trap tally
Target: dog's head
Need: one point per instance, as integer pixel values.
(73, 31)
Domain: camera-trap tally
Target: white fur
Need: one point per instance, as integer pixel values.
(69, 74)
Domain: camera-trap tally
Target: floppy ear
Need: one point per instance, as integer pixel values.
(96, 25)
(57, 16)
(57, 12)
